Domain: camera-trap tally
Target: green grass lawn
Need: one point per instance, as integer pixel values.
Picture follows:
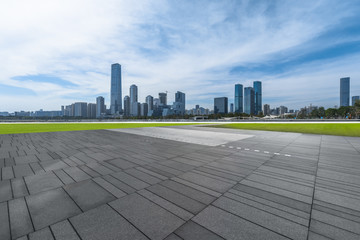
(340, 129)
(10, 128)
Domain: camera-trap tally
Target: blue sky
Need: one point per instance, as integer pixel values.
(57, 52)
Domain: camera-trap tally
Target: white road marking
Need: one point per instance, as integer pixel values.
(231, 147)
(287, 155)
(238, 148)
(246, 149)
(256, 150)
(266, 152)
(223, 145)
(277, 153)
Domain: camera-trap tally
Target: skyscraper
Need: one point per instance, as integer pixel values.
(144, 109)
(221, 105)
(150, 101)
(179, 104)
(354, 99)
(231, 107)
(116, 98)
(100, 106)
(249, 100)
(163, 98)
(239, 98)
(80, 109)
(267, 109)
(134, 106)
(91, 110)
(126, 106)
(344, 91)
(258, 97)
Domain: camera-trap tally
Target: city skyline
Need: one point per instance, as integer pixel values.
(50, 60)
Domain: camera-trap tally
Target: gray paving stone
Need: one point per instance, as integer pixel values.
(159, 176)
(7, 173)
(151, 219)
(331, 232)
(25, 159)
(120, 185)
(121, 163)
(191, 230)
(230, 226)
(53, 165)
(43, 234)
(109, 187)
(20, 222)
(49, 207)
(104, 223)
(172, 237)
(22, 238)
(22, 170)
(76, 174)
(262, 218)
(36, 168)
(87, 194)
(183, 214)
(337, 199)
(99, 168)
(5, 190)
(64, 177)
(130, 180)
(42, 182)
(197, 187)
(64, 231)
(143, 176)
(19, 187)
(4, 220)
(177, 198)
(315, 236)
(208, 182)
(89, 171)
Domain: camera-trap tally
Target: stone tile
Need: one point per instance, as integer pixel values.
(22, 170)
(25, 159)
(65, 178)
(53, 165)
(208, 182)
(64, 231)
(20, 222)
(7, 173)
(143, 176)
(191, 230)
(76, 174)
(173, 237)
(42, 182)
(331, 232)
(4, 220)
(36, 168)
(99, 168)
(104, 223)
(121, 163)
(87, 194)
(130, 180)
(5, 190)
(19, 187)
(151, 219)
(49, 207)
(120, 185)
(109, 187)
(231, 227)
(43, 234)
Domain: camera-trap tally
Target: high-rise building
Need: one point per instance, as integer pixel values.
(150, 101)
(239, 98)
(344, 92)
(354, 99)
(134, 101)
(91, 110)
(267, 110)
(249, 100)
(163, 98)
(100, 106)
(144, 109)
(126, 106)
(115, 98)
(179, 104)
(231, 107)
(258, 97)
(221, 105)
(80, 109)
(283, 110)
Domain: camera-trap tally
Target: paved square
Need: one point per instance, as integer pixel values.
(184, 182)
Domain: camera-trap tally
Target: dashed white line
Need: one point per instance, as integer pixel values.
(287, 155)
(256, 150)
(277, 153)
(238, 148)
(231, 147)
(266, 152)
(223, 145)
(246, 149)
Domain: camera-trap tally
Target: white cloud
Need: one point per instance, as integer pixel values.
(162, 45)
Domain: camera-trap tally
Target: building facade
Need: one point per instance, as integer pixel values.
(80, 109)
(231, 107)
(163, 98)
(344, 92)
(354, 99)
(249, 100)
(115, 92)
(134, 101)
(179, 104)
(258, 97)
(150, 102)
(91, 110)
(239, 105)
(267, 110)
(144, 109)
(221, 105)
(127, 106)
(100, 106)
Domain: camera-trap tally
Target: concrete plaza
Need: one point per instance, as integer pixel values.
(182, 182)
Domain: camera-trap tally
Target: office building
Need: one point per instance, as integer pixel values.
(144, 109)
(267, 110)
(231, 107)
(354, 99)
(80, 109)
(258, 97)
(249, 100)
(150, 102)
(134, 101)
(239, 98)
(283, 110)
(91, 110)
(100, 106)
(344, 92)
(221, 105)
(179, 104)
(126, 106)
(135, 108)
(116, 97)
(163, 98)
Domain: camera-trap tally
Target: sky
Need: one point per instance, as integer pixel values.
(57, 52)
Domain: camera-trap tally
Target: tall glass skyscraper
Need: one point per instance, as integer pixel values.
(249, 100)
(163, 98)
(100, 106)
(239, 98)
(133, 93)
(258, 97)
(344, 92)
(221, 105)
(116, 97)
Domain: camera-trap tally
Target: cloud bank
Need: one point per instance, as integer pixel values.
(57, 52)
